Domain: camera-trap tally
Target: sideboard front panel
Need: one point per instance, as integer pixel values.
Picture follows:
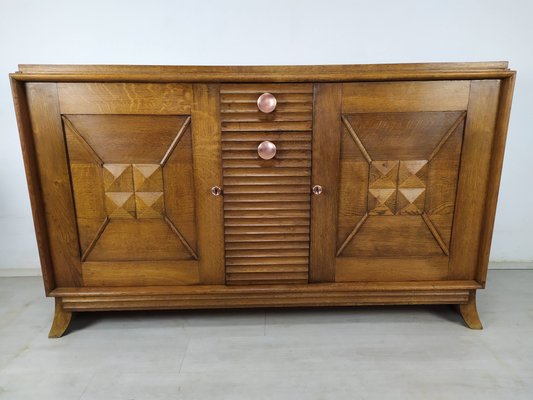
(128, 172)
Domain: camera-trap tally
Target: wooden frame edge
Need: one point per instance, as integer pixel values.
(200, 290)
(315, 74)
(88, 68)
(257, 300)
(33, 181)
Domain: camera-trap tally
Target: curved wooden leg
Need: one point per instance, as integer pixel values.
(469, 312)
(61, 320)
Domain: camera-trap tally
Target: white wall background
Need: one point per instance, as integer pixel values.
(261, 33)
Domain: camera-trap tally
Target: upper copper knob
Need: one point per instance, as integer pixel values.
(266, 103)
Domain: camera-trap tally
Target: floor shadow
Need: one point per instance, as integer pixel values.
(374, 314)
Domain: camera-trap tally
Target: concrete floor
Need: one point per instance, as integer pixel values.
(410, 353)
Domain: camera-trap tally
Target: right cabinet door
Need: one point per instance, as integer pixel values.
(404, 167)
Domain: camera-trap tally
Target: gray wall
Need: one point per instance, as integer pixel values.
(269, 32)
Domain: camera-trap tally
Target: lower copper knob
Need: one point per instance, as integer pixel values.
(266, 150)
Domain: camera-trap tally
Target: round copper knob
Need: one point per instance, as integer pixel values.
(266, 103)
(266, 150)
(216, 190)
(317, 189)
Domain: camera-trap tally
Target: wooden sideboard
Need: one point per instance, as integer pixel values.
(162, 187)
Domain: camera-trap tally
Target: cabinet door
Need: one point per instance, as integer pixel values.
(404, 175)
(126, 171)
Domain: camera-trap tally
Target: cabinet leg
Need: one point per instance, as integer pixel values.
(469, 312)
(61, 320)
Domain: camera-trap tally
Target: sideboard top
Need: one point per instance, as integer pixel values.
(295, 73)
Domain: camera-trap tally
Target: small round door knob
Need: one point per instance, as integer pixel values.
(317, 189)
(216, 190)
(266, 150)
(266, 103)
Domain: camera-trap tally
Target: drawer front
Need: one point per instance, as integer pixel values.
(266, 201)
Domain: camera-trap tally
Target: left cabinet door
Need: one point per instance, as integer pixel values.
(126, 171)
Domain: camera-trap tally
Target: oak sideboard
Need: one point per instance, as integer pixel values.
(179, 187)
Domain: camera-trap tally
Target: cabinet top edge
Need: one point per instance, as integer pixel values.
(293, 73)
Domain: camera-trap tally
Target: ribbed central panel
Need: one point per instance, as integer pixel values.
(266, 202)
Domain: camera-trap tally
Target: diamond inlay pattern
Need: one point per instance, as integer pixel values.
(411, 187)
(397, 187)
(133, 190)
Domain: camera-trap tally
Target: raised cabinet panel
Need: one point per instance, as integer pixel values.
(400, 171)
(406, 151)
(126, 171)
(406, 167)
(132, 181)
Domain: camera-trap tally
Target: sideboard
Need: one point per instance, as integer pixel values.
(179, 187)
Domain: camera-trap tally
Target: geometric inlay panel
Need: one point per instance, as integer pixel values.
(133, 190)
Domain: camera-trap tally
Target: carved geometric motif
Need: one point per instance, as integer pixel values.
(149, 204)
(118, 178)
(397, 187)
(382, 186)
(120, 204)
(133, 190)
(418, 149)
(411, 187)
(131, 193)
(147, 177)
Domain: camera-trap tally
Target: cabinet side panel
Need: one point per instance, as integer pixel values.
(208, 173)
(498, 148)
(34, 185)
(325, 172)
(473, 179)
(56, 187)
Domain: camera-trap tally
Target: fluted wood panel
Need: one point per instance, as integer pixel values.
(266, 202)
